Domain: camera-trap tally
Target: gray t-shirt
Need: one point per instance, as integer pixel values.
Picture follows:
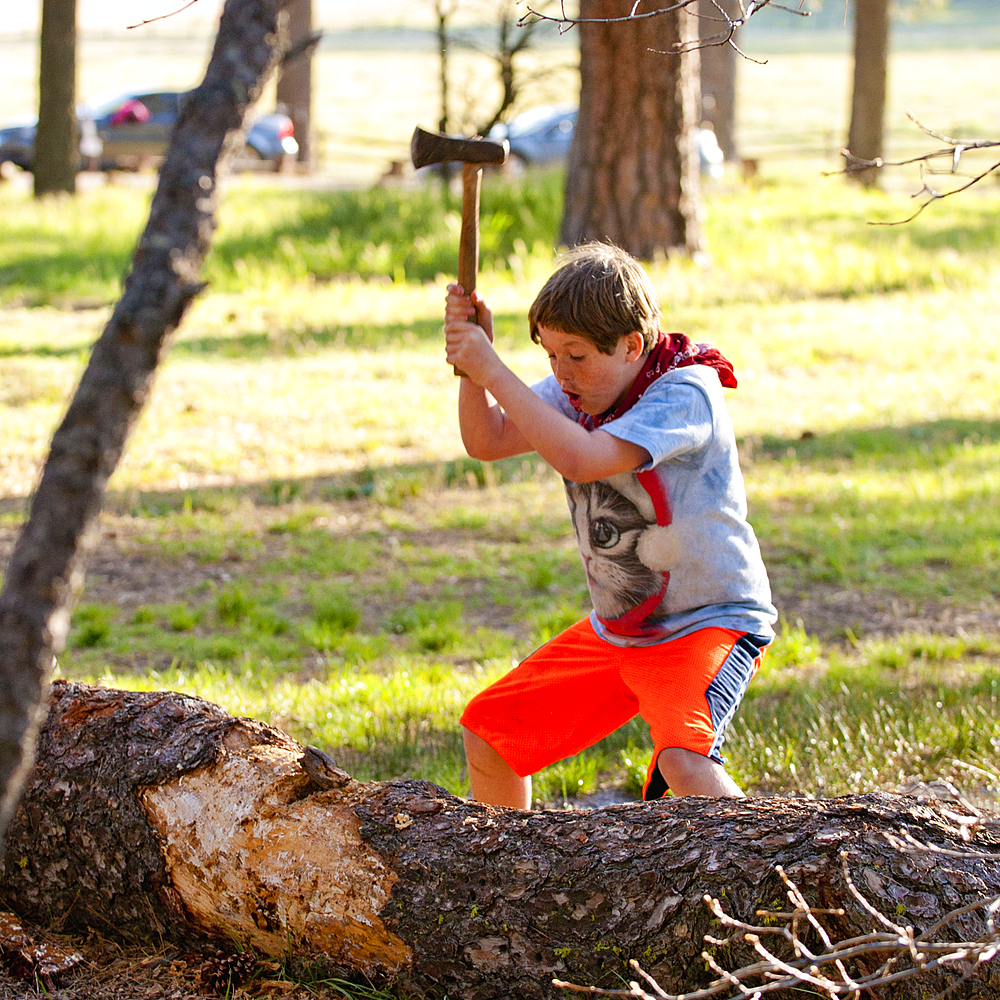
(667, 548)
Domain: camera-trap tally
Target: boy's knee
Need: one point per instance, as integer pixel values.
(475, 746)
(690, 773)
(480, 754)
(491, 778)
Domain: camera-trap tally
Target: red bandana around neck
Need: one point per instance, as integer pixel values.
(672, 350)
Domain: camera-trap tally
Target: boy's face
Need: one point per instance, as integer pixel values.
(593, 381)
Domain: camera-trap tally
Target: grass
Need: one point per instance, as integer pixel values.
(321, 555)
(914, 708)
(369, 643)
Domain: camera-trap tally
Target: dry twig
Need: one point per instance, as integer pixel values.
(748, 8)
(953, 151)
(903, 953)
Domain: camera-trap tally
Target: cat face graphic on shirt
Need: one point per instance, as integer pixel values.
(609, 528)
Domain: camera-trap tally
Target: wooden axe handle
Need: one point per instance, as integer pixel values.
(468, 241)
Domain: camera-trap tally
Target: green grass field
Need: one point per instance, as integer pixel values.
(295, 533)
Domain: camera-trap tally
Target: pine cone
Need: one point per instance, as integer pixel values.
(224, 971)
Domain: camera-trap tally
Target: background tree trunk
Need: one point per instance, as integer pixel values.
(718, 73)
(56, 154)
(633, 172)
(294, 91)
(871, 59)
(158, 813)
(42, 580)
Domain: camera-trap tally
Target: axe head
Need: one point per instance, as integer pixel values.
(436, 147)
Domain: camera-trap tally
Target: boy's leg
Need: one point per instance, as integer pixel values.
(690, 773)
(689, 689)
(564, 697)
(491, 778)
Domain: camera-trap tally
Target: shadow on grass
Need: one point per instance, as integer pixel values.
(257, 344)
(382, 231)
(905, 510)
(914, 444)
(44, 351)
(390, 483)
(74, 275)
(291, 236)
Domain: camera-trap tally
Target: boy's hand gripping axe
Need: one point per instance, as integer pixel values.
(427, 148)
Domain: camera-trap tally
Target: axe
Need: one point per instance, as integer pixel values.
(427, 148)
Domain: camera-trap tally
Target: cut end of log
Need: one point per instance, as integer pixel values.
(251, 852)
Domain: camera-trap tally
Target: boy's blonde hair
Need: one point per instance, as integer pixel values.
(599, 292)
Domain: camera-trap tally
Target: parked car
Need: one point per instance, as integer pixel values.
(125, 130)
(538, 137)
(543, 136)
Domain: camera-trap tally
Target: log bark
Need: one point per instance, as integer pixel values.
(45, 573)
(160, 816)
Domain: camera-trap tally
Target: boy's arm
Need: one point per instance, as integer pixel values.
(522, 421)
(576, 453)
(487, 432)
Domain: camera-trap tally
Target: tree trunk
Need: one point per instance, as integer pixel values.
(55, 156)
(871, 57)
(45, 571)
(160, 815)
(633, 173)
(294, 92)
(718, 72)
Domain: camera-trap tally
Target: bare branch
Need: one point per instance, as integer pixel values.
(905, 954)
(304, 45)
(953, 152)
(163, 17)
(933, 195)
(565, 21)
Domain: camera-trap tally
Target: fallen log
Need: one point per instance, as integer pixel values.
(159, 816)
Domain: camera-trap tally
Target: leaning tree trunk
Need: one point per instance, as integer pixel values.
(633, 173)
(160, 815)
(871, 59)
(45, 571)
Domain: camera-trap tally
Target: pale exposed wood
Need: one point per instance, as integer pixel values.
(250, 855)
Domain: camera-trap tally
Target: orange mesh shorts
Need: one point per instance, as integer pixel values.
(578, 688)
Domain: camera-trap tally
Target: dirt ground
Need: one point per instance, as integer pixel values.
(106, 971)
(119, 572)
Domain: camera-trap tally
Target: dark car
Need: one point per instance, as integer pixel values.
(126, 130)
(543, 136)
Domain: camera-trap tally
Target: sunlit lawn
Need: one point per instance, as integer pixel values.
(345, 575)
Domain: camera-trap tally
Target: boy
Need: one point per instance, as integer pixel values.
(635, 422)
